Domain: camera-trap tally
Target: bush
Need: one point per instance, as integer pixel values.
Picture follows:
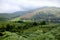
(20, 21)
(35, 23)
(43, 23)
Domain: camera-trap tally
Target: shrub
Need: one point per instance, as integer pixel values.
(43, 23)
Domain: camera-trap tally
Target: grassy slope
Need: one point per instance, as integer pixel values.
(15, 19)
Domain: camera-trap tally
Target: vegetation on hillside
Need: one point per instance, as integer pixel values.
(39, 24)
(20, 30)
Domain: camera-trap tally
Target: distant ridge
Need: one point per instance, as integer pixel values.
(39, 14)
(45, 13)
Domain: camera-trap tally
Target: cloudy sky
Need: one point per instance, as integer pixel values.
(9, 6)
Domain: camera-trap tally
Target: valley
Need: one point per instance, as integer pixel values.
(39, 24)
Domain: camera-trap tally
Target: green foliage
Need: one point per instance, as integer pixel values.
(29, 31)
(43, 23)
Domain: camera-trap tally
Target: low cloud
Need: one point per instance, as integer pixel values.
(8, 6)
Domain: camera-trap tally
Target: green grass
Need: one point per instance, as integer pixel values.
(15, 19)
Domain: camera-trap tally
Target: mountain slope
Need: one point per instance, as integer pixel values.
(9, 16)
(47, 13)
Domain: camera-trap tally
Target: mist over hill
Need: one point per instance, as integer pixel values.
(39, 14)
(43, 14)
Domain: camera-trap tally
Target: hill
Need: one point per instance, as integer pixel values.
(45, 13)
(51, 14)
(9, 16)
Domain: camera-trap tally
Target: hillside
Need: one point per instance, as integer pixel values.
(9, 16)
(40, 14)
(46, 13)
(16, 29)
(29, 31)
